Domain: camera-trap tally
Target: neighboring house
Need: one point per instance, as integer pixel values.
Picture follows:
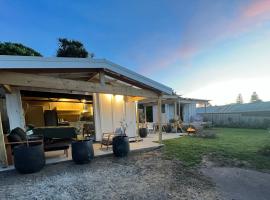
(81, 90)
(173, 107)
(248, 115)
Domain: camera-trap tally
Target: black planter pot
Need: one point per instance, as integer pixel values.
(168, 128)
(143, 132)
(120, 146)
(29, 159)
(82, 151)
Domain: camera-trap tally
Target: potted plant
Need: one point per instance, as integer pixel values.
(121, 141)
(173, 124)
(29, 155)
(82, 150)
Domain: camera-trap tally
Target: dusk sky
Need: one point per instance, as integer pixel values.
(211, 49)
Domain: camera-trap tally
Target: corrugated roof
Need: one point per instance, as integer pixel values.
(31, 62)
(233, 108)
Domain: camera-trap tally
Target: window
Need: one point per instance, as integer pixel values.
(163, 110)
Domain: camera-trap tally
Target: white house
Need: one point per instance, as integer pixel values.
(173, 107)
(80, 90)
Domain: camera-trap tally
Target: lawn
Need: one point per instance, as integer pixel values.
(231, 144)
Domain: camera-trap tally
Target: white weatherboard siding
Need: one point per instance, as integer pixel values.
(110, 110)
(164, 117)
(189, 112)
(170, 113)
(14, 109)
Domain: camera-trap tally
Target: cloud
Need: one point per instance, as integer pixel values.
(209, 26)
(257, 8)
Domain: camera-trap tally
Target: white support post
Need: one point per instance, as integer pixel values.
(137, 121)
(14, 109)
(144, 110)
(97, 116)
(3, 154)
(175, 110)
(179, 104)
(159, 120)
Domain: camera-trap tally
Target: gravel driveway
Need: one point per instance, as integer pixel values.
(140, 176)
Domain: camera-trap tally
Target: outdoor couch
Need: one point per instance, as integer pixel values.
(56, 132)
(56, 137)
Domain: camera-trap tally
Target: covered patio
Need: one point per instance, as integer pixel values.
(70, 88)
(147, 144)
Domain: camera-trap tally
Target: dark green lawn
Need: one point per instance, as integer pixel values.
(230, 144)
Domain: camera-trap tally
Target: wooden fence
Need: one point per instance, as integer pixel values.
(241, 120)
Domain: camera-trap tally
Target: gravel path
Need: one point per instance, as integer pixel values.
(240, 184)
(140, 176)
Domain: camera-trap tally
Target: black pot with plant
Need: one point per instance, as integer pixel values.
(121, 142)
(29, 155)
(143, 132)
(29, 158)
(121, 145)
(82, 151)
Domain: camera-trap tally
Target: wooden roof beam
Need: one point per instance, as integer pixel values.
(32, 80)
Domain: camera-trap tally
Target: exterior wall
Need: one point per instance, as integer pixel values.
(164, 118)
(170, 112)
(189, 112)
(109, 110)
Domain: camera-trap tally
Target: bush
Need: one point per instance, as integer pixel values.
(206, 134)
(265, 151)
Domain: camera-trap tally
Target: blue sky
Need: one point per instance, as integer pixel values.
(201, 48)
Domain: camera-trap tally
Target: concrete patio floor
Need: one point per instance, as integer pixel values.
(148, 143)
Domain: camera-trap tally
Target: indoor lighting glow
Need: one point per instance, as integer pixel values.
(109, 96)
(119, 98)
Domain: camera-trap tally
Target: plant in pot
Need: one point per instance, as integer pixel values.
(29, 154)
(173, 124)
(143, 131)
(82, 150)
(121, 141)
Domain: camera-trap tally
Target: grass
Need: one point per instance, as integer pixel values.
(230, 144)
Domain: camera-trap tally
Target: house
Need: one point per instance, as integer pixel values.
(247, 115)
(78, 90)
(173, 107)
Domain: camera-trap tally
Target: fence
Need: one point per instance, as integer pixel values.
(239, 120)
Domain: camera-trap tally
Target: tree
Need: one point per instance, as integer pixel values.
(239, 99)
(254, 98)
(9, 48)
(72, 48)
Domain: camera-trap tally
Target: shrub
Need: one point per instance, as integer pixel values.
(265, 151)
(207, 134)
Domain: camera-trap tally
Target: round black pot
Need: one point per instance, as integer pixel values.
(168, 128)
(143, 132)
(29, 159)
(120, 146)
(82, 151)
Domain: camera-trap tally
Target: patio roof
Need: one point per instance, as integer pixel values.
(170, 99)
(79, 69)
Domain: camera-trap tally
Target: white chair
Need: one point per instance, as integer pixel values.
(150, 127)
(107, 138)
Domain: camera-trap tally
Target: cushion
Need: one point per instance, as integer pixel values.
(53, 132)
(14, 138)
(20, 132)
